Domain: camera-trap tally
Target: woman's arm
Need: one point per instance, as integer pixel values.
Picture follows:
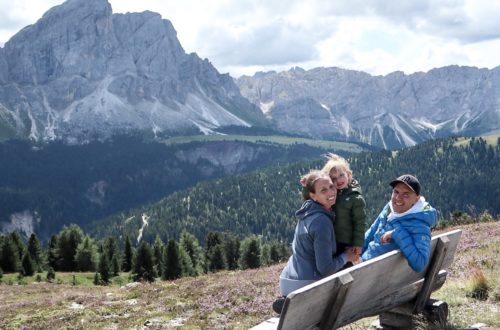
(321, 230)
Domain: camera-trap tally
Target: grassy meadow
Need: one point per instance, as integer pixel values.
(228, 299)
(276, 139)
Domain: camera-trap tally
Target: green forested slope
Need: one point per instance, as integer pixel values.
(60, 184)
(456, 175)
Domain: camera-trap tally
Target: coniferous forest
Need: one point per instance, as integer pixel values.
(458, 177)
(60, 184)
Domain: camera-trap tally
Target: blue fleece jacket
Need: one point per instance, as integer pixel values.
(313, 248)
(412, 234)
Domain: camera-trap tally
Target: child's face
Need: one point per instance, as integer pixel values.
(340, 177)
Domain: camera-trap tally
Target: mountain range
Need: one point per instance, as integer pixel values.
(82, 73)
(390, 111)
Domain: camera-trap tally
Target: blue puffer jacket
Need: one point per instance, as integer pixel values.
(412, 235)
(313, 247)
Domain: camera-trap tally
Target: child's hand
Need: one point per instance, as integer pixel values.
(387, 237)
(357, 250)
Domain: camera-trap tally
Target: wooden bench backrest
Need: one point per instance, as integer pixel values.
(363, 290)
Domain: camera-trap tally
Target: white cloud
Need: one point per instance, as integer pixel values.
(379, 36)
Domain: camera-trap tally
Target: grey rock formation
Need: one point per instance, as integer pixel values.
(82, 72)
(390, 111)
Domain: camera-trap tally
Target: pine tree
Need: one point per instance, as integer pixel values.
(171, 268)
(28, 268)
(9, 259)
(127, 255)
(232, 251)
(110, 247)
(52, 252)
(157, 253)
(250, 253)
(103, 268)
(215, 258)
(69, 238)
(274, 253)
(115, 266)
(36, 252)
(265, 255)
(86, 255)
(214, 251)
(142, 265)
(190, 244)
(18, 244)
(185, 263)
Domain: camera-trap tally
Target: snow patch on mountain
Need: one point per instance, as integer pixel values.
(266, 106)
(400, 132)
(424, 123)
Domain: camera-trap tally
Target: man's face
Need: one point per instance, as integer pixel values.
(403, 198)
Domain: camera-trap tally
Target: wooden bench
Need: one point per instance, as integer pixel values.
(384, 286)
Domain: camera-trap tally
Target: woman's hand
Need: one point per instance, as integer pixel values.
(352, 256)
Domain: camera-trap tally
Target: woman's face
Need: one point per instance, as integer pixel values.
(326, 193)
(340, 177)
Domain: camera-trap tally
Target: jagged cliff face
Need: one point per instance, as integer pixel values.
(82, 72)
(392, 111)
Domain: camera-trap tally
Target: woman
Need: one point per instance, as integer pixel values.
(314, 243)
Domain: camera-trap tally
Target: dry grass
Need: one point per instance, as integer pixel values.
(225, 300)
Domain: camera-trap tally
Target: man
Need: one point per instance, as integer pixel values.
(405, 223)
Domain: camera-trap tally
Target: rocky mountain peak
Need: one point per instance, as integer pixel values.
(83, 72)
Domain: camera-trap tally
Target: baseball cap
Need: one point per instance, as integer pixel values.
(409, 180)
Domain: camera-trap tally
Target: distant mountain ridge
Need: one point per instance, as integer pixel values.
(82, 72)
(390, 111)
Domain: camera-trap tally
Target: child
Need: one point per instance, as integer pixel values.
(350, 214)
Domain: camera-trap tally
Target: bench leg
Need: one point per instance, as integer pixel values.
(434, 313)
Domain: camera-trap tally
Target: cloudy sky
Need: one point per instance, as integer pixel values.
(375, 36)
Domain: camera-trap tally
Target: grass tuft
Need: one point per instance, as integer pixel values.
(478, 287)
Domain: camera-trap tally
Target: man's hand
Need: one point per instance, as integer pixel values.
(387, 237)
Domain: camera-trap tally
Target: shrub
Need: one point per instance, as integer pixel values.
(97, 279)
(51, 274)
(485, 216)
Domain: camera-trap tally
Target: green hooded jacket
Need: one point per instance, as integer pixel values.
(350, 215)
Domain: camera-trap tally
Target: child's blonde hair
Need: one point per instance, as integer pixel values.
(335, 163)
